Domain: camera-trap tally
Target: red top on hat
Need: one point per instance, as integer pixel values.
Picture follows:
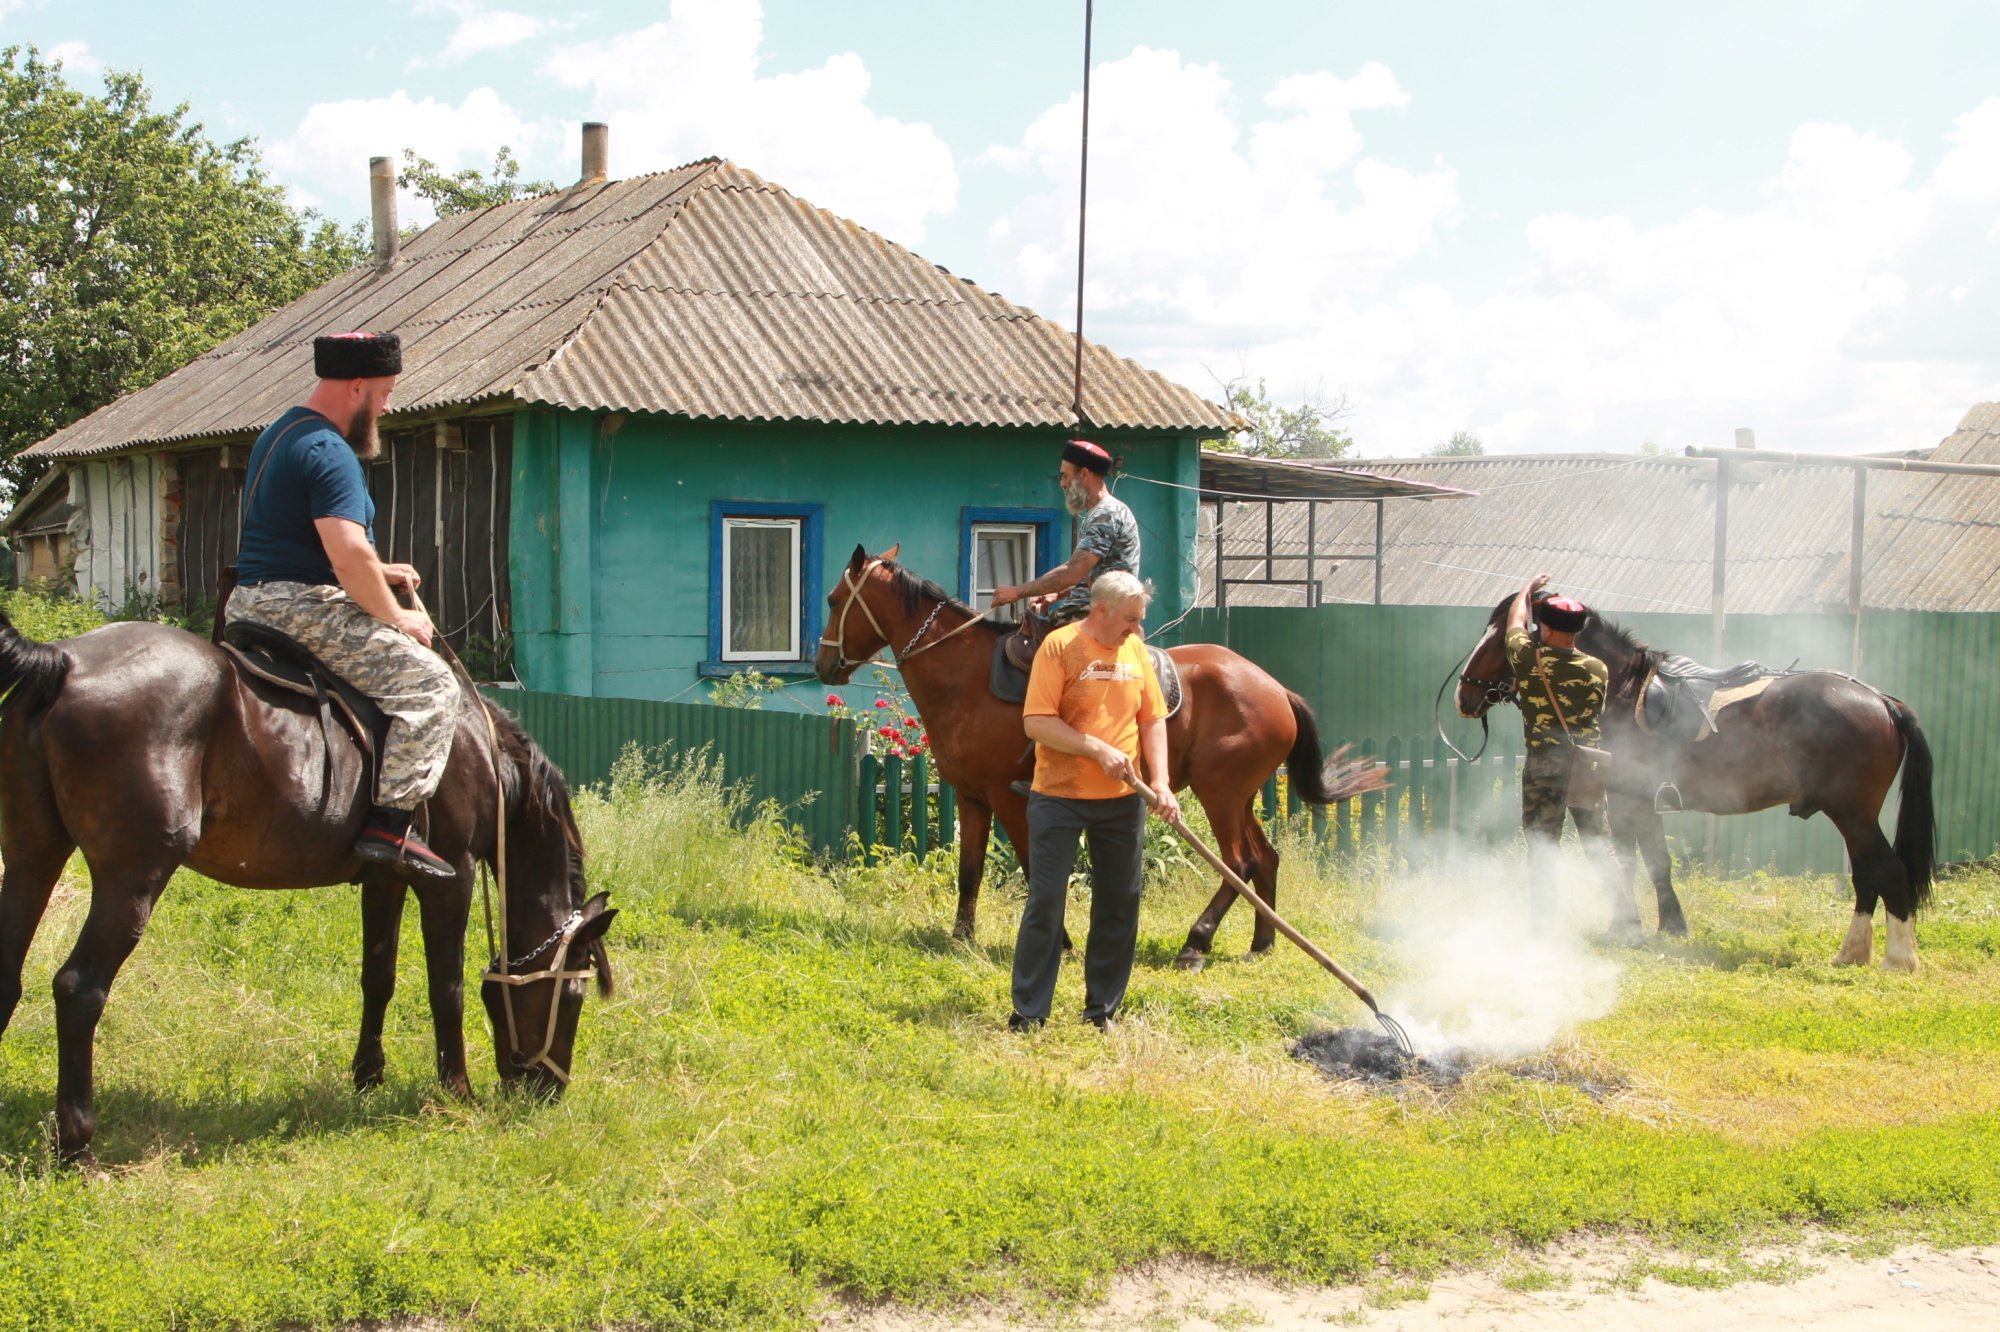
(1567, 604)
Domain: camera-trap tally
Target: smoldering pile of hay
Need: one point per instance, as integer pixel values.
(1356, 1054)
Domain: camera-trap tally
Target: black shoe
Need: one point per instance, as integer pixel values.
(1101, 1021)
(1022, 789)
(1015, 1022)
(386, 839)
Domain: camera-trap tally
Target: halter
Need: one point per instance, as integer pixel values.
(838, 638)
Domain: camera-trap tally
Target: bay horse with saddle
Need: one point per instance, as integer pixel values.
(1738, 739)
(149, 748)
(1229, 731)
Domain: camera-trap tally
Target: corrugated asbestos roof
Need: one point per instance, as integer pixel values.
(704, 291)
(1236, 475)
(1636, 534)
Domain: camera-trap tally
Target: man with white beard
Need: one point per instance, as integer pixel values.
(1107, 539)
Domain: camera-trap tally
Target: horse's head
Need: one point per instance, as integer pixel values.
(1486, 679)
(555, 935)
(856, 610)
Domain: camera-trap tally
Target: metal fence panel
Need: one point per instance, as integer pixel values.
(808, 764)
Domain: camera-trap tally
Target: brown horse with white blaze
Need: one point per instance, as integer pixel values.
(1236, 725)
(145, 748)
(1816, 741)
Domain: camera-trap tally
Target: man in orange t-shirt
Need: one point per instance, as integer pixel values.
(1093, 707)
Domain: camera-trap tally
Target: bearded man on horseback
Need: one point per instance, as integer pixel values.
(307, 567)
(1107, 538)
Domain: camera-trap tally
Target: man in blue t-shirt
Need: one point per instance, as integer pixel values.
(307, 567)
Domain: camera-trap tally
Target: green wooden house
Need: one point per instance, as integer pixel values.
(642, 425)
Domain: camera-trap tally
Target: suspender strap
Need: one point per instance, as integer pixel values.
(250, 491)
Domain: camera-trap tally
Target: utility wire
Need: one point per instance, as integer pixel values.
(1082, 216)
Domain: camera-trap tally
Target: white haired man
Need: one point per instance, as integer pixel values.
(1093, 709)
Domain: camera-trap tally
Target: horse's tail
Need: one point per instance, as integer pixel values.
(1336, 778)
(28, 669)
(1916, 817)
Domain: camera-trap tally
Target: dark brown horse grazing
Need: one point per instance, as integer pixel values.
(142, 746)
(1817, 741)
(1235, 726)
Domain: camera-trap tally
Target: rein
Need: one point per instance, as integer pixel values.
(500, 970)
(1497, 692)
(837, 639)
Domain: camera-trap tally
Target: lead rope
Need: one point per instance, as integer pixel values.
(498, 972)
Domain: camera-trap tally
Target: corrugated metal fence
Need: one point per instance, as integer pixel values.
(1374, 671)
(810, 765)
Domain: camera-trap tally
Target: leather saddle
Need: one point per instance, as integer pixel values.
(1676, 701)
(277, 659)
(1010, 683)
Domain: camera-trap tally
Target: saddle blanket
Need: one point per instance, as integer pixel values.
(1010, 683)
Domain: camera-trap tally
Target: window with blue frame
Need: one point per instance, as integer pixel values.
(1004, 548)
(764, 584)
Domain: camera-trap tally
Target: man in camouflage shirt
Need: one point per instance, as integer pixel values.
(1578, 681)
(1107, 537)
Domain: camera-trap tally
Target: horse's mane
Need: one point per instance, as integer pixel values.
(536, 793)
(1637, 654)
(916, 590)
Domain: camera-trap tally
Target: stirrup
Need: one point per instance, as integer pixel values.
(1667, 800)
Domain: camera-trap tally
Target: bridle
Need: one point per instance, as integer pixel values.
(502, 971)
(1497, 692)
(837, 639)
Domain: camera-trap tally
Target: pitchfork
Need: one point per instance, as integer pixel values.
(1278, 922)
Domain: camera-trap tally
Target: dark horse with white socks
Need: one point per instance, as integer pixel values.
(1816, 741)
(143, 746)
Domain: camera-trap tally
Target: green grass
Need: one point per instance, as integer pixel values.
(804, 1085)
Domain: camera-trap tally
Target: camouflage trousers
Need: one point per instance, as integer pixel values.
(411, 683)
(1544, 783)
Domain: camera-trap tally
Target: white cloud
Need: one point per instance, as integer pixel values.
(481, 30)
(689, 88)
(77, 61)
(326, 159)
(1843, 312)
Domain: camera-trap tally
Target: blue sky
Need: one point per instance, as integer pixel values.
(1562, 226)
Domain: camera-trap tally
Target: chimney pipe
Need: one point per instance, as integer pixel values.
(596, 152)
(382, 194)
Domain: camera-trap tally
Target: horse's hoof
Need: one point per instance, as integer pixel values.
(367, 1077)
(1261, 950)
(1906, 966)
(1190, 960)
(963, 933)
(1843, 958)
(1677, 928)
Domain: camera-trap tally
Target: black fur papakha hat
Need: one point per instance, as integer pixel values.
(1083, 453)
(357, 356)
(1562, 614)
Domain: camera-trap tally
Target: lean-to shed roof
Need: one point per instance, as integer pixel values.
(1637, 534)
(704, 291)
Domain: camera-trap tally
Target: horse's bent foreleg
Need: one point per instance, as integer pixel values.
(36, 846)
(381, 925)
(121, 902)
(975, 829)
(1649, 835)
(443, 907)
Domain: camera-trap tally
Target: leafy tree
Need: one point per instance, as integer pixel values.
(1462, 444)
(1304, 431)
(463, 191)
(129, 245)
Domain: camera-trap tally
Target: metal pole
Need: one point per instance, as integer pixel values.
(1312, 547)
(1718, 613)
(1221, 582)
(1378, 552)
(1270, 537)
(1082, 210)
(1856, 554)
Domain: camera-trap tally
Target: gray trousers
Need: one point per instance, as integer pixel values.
(1117, 832)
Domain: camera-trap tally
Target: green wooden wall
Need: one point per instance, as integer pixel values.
(611, 528)
(1372, 672)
